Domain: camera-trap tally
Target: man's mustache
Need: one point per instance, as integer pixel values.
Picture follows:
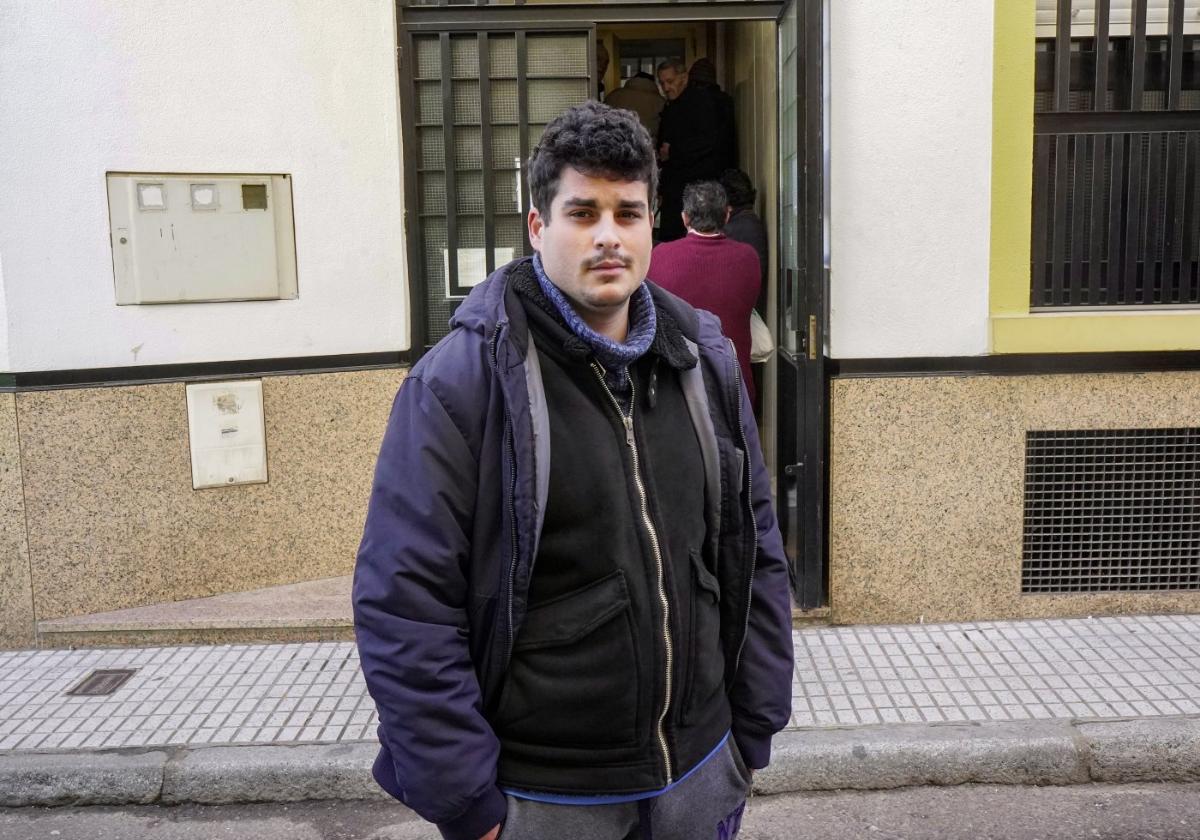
(609, 257)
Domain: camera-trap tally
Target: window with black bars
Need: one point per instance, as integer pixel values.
(1116, 170)
(1112, 510)
(480, 101)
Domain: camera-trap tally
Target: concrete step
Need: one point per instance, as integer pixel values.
(316, 610)
(311, 611)
(819, 617)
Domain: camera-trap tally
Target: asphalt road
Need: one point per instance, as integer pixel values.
(1095, 812)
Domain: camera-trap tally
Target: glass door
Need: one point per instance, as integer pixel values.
(475, 103)
(801, 467)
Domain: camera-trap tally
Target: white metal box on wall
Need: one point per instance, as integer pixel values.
(228, 434)
(197, 238)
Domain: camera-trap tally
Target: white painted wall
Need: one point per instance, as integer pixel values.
(305, 87)
(3, 320)
(911, 123)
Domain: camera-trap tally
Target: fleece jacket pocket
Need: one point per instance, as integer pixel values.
(573, 679)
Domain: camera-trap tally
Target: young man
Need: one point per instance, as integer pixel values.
(571, 598)
(711, 271)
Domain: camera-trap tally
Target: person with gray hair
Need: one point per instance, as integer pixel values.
(705, 207)
(711, 271)
(672, 77)
(689, 143)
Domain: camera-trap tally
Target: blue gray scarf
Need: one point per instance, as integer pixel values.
(614, 356)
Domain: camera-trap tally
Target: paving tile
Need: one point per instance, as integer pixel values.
(978, 671)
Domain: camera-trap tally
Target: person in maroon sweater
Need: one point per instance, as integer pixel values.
(711, 271)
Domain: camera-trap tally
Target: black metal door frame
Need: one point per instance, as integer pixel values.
(483, 18)
(483, 15)
(802, 474)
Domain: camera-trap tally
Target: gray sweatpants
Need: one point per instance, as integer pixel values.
(707, 805)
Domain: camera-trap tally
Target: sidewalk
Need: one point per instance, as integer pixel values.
(1027, 702)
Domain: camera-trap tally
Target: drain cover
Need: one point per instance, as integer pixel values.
(100, 683)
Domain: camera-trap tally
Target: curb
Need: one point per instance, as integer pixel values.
(228, 775)
(880, 758)
(209, 775)
(1163, 749)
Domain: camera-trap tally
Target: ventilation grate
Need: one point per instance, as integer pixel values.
(103, 682)
(1113, 510)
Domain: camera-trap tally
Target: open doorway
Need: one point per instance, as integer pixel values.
(479, 82)
(745, 56)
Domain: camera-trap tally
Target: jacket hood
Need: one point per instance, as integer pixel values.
(484, 307)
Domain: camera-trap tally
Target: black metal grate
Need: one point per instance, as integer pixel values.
(1116, 158)
(102, 682)
(1112, 510)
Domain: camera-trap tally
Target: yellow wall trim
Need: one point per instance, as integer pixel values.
(1014, 329)
(1096, 332)
(1012, 155)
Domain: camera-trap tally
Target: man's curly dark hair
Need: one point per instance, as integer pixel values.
(597, 140)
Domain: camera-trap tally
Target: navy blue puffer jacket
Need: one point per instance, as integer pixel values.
(442, 577)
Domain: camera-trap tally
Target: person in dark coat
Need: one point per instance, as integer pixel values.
(704, 76)
(571, 598)
(744, 225)
(689, 143)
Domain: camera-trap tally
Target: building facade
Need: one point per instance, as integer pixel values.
(966, 418)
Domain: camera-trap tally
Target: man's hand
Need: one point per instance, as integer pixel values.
(493, 834)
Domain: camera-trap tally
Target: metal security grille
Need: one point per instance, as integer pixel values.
(1116, 169)
(479, 103)
(1112, 510)
(101, 683)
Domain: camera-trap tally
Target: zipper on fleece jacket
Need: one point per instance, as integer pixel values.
(652, 533)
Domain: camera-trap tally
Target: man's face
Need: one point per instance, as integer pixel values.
(672, 82)
(596, 245)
